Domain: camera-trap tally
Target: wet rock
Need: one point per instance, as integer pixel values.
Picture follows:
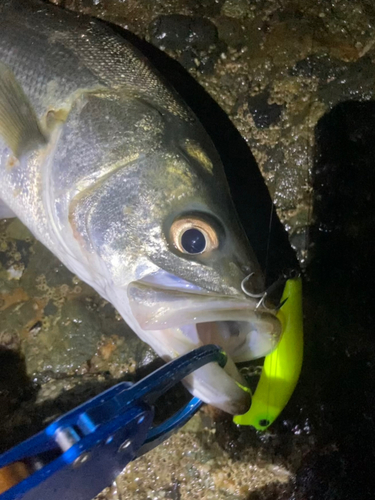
(50, 309)
(204, 63)
(22, 251)
(19, 314)
(207, 62)
(65, 346)
(273, 491)
(242, 34)
(202, 468)
(236, 8)
(230, 30)
(9, 339)
(177, 32)
(319, 65)
(356, 82)
(207, 7)
(18, 231)
(275, 158)
(188, 59)
(289, 41)
(193, 40)
(264, 114)
(42, 262)
(298, 239)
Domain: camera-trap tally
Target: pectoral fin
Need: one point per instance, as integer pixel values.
(19, 125)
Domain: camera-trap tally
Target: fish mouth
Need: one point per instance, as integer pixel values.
(176, 316)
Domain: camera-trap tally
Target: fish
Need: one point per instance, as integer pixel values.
(109, 168)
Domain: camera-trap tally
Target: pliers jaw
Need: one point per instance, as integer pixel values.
(82, 452)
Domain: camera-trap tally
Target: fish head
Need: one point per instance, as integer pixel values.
(158, 215)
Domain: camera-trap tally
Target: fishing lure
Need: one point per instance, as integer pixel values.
(282, 367)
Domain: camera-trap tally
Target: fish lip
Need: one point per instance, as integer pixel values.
(165, 280)
(176, 304)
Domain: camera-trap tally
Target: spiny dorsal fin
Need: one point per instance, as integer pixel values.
(19, 125)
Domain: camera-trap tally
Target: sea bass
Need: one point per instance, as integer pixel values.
(109, 168)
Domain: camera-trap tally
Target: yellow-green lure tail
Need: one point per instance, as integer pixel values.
(282, 367)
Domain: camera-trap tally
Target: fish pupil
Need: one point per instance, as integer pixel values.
(193, 241)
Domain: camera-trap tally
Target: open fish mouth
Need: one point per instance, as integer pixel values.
(176, 316)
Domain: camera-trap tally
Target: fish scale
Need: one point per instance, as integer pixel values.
(75, 50)
(109, 168)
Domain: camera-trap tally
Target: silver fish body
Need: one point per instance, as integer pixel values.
(110, 169)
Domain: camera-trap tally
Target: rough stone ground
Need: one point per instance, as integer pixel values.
(275, 67)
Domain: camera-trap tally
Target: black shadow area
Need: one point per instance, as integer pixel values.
(338, 382)
(16, 388)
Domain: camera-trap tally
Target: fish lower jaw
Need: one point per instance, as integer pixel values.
(212, 384)
(174, 322)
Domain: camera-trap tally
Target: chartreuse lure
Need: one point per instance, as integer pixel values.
(282, 367)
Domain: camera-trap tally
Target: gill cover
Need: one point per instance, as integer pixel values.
(282, 367)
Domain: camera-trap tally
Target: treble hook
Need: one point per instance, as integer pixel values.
(270, 289)
(272, 310)
(246, 292)
(263, 295)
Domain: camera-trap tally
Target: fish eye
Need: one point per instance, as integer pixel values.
(193, 236)
(193, 241)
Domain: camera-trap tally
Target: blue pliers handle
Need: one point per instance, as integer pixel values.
(82, 452)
